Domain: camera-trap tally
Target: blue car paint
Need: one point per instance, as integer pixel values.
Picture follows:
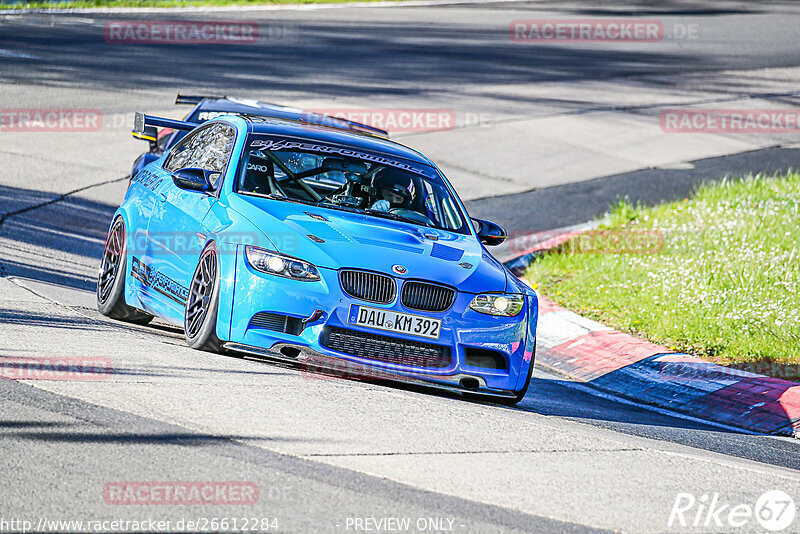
(154, 208)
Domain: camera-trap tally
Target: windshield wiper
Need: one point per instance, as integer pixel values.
(397, 217)
(278, 197)
(363, 211)
(323, 204)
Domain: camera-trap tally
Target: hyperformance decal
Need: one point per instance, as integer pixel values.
(147, 179)
(163, 284)
(282, 144)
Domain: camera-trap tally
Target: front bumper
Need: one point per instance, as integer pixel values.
(323, 304)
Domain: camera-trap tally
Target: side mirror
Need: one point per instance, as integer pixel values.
(489, 233)
(193, 179)
(149, 134)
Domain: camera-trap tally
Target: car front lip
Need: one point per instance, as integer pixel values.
(312, 361)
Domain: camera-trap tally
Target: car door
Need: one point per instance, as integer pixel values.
(174, 231)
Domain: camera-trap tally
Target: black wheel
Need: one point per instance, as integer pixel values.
(200, 318)
(111, 279)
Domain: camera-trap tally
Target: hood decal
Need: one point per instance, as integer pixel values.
(444, 252)
(389, 244)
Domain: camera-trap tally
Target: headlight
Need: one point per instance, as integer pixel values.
(280, 264)
(498, 304)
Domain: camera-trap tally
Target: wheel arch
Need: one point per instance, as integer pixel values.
(231, 232)
(226, 276)
(130, 290)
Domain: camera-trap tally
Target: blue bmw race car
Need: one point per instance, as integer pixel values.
(298, 240)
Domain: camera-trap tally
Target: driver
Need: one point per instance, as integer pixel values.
(395, 189)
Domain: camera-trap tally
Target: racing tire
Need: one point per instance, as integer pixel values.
(111, 278)
(202, 304)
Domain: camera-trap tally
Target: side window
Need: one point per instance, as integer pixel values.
(451, 219)
(446, 214)
(182, 152)
(209, 149)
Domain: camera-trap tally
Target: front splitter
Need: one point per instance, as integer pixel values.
(315, 362)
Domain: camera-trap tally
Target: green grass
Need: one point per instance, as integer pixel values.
(81, 4)
(725, 285)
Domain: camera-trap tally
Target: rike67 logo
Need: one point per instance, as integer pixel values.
(774, 511)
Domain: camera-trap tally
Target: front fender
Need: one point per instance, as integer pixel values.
(231, 232)
(529, 355)
(227, 288)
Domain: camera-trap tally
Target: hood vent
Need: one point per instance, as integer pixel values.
(324, 231)
(316, 216)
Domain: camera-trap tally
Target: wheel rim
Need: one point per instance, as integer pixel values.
(200, 293)
(112, 258)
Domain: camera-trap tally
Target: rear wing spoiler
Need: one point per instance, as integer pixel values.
(282, 112)
(142, 121)
(144, 126)
(195, 99)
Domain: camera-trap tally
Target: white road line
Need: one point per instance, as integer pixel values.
(11, 53)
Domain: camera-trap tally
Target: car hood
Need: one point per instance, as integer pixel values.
(352, 240)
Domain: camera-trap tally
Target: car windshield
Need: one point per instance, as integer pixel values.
(348, 179)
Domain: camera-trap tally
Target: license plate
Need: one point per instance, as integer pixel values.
(404, 323)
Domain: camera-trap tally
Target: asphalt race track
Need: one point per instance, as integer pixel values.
(335, 455)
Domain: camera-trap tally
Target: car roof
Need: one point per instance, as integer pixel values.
(328, 134)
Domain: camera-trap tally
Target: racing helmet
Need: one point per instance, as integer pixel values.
(397, 182)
